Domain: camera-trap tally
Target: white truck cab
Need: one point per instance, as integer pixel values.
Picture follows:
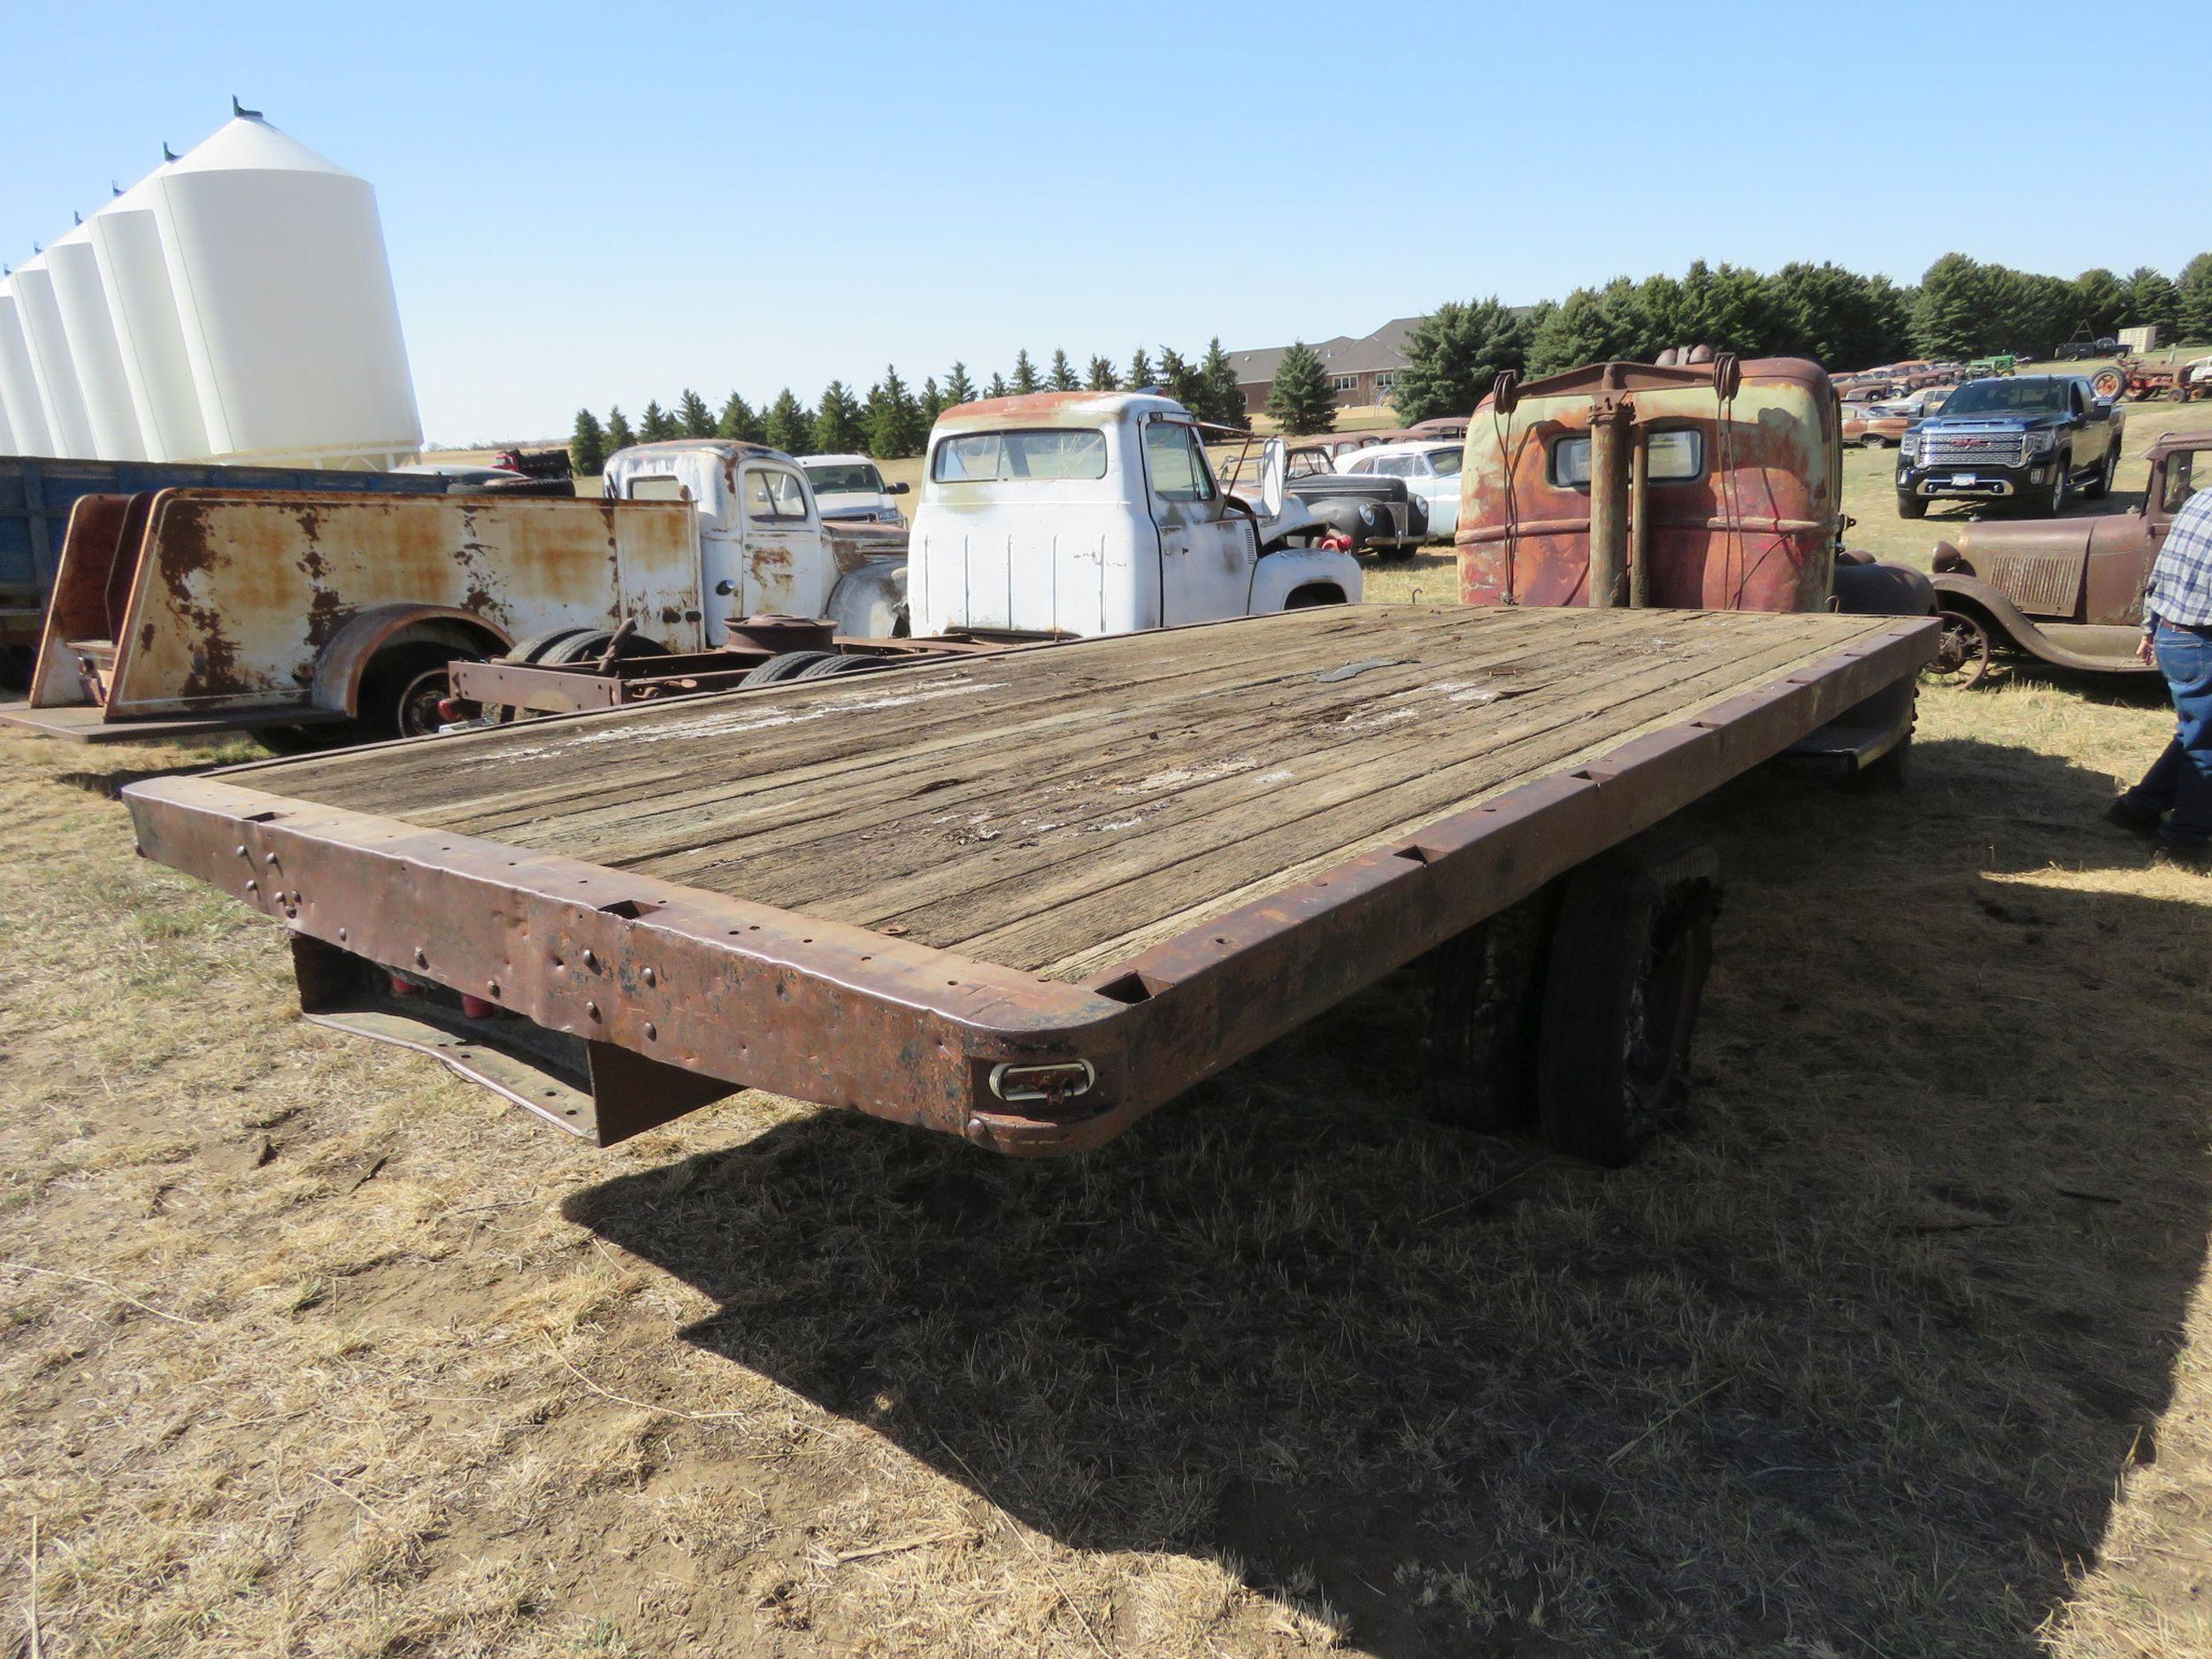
(762, 547)
(851, 487)
(1079, 513)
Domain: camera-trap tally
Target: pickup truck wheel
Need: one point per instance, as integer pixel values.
(1625, 974)
(401, 689)
(2060, 486)
(1912, 506)
(2097, 488)
(785, 666)
(584, 644)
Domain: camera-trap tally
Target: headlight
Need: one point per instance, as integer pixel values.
(1909, 445)
(1367, 516)
(2043, 443)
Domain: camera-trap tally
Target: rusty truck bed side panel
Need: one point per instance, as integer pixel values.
(700, 987)
(233, 595)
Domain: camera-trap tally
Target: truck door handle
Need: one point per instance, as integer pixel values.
(726, 586)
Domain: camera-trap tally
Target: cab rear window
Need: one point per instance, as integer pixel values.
(996, 457)
(1677, 456)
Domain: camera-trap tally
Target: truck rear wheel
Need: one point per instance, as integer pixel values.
(401, 689)
(1624, 976)
(785, 666)
(839, 665)
(1477, 1058)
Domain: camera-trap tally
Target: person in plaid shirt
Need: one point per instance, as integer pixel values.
(2174, 801)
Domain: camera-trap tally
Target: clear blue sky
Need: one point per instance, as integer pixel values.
(607, 203)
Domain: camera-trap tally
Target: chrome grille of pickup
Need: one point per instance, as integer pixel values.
(1969, 448)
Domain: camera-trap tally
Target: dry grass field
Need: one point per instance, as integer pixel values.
(1902, 1347)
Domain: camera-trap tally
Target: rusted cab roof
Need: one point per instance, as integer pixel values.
(1053, 409)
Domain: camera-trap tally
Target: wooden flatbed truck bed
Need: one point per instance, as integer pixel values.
(1024, 898)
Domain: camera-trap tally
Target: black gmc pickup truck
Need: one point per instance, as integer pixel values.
(2029, 438)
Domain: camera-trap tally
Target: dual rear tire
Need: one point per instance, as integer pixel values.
(1576, 1008)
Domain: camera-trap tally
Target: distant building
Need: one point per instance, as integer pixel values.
(1362, 371)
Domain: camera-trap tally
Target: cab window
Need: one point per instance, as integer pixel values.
(657, 487)
(1175, 463)
(1677, 456)
(2180, 479)
(774, 496)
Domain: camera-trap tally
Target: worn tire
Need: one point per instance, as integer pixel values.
(1478, 1054)
(785, 666)
(531, 650)
(400, 689)
(1912, 506)
(838, 664)
(1624, 975)
(585, 644)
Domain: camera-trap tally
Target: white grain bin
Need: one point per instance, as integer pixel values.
(58, 393)
(18, 385)
(93, 347)
(277, 259)
(134, 275)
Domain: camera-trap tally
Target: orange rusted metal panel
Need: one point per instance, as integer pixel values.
(1746, 500)
(234, 595)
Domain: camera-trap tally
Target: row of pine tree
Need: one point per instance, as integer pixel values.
(1841, 318)
(894, 420)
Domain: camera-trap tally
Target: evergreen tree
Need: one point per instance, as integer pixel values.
(740, 422)
(2152, 299)
(657, 424)
(837, 420)
(1224, 397)
(2099, 300)
(959, 388)
(1956, 316)
(1591, 326)
(1181, 380)
(1454, 355)
(1103, 378)
(587, 445)
(1840, 319)
(933, 404)
(997, 388)
(618, 434)
(1140, 374)
(894, 425)
(788, 427)
(1300, 401)
(1024, 373)
(693, 415)
(1061, 376)
(2196, 298)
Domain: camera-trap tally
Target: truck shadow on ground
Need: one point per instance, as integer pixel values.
(1857, 1357)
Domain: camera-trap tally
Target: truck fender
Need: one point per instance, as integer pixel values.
(869, 600)
(2007, 625)
(1310, 571)
(346, 655)
(1879, 589)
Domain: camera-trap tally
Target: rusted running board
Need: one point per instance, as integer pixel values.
(655, 998)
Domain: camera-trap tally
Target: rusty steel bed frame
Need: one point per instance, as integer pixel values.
(655, 998)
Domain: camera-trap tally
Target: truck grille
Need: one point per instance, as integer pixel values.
(1973, 448)
(2041, 584)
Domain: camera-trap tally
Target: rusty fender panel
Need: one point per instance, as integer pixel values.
(236, 594)
(744, 992)
(822, 1011)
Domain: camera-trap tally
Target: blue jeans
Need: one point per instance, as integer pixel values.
(2180, 781)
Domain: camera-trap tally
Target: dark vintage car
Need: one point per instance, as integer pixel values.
(1377, 516)
(2025, 440)
(2066, 591)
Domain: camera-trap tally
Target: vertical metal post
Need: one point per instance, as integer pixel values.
(1640, 519)
(1610, 424)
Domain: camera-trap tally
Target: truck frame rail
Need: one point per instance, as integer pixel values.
(1024, 898)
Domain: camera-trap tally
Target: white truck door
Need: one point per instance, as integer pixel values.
(1206, 552)
(778, 569)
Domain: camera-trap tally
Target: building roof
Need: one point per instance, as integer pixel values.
(1347, 354)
